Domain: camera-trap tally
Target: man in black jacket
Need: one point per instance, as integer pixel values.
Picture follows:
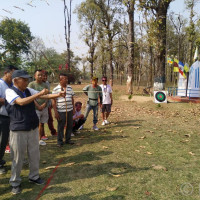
(24, 128)
(5, 83)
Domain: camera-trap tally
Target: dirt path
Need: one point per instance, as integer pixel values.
(138, 99)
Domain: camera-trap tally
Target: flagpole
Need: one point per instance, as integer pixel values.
(187, 84)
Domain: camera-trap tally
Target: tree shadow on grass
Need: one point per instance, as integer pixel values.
(35, 191)
(89, 197)
(127, 123)
(80, 141)
(77, 171)
(80, 197)
(114, 197)
(99, 138)
(85, 171)
(88, 156)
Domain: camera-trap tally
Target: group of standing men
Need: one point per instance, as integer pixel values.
(25, 107)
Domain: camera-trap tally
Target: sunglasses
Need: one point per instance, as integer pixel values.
(104, 80)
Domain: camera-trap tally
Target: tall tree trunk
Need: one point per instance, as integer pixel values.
(130, 47)
(102, 61)
(67, 17)
(151, 66)
(91, 70)
(111, 59)
(159, 9)
(191, 32)
(161, 48)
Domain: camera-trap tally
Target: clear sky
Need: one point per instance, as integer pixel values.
(46, 20)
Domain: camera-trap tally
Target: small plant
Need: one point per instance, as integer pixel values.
(130, 96)
(159, 105)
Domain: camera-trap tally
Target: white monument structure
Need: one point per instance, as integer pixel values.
(193, 83)
(182, 83)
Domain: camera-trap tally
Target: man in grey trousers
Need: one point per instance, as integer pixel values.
(24, 127)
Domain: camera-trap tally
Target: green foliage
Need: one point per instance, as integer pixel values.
(158, 105)
(130, 96)
(16, 37)
(50, 60)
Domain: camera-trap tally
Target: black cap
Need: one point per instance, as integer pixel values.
(20, 73)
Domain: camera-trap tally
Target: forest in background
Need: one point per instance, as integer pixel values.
(126, 39)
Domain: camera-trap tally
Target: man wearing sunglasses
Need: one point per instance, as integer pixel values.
(107, 100)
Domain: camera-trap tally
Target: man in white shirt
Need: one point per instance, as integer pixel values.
(107, 100)
(78, 118)
(5, 83)
(62, 105)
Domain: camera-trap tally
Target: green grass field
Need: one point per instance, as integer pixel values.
(147, 152)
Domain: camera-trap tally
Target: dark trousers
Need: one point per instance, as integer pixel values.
(4, 134)
(78, 124)
(62, 124)
(50, 122)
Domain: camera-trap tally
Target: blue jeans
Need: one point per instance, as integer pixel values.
(95, 112)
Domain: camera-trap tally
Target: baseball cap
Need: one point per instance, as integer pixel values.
(20, 73)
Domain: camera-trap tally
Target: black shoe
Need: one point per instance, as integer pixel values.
(38, 181)
(3, 162)
(69, 142)
(60, 145)
(2, 170)
(16, 189)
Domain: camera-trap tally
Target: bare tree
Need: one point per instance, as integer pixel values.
(159, 8)
(190, 4)
(68, 18)
(130, 4)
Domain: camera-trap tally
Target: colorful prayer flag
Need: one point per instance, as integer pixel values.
(180, 63)
(186, 68)
(176, 67)
(170, 61)
(176, 60)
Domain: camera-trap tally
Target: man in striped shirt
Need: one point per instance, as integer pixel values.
(60, 105)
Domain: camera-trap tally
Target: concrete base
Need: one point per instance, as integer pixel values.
(183, 99)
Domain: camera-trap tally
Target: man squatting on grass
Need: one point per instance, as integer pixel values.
(5, 83)
(24, 127)
(78, 118)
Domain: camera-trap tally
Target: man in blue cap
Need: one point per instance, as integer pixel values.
(24, 127)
